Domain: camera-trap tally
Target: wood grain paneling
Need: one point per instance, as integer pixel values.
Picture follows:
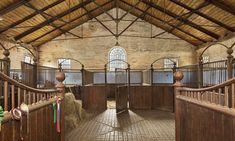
(41, 127)
(162, 97)
(140, 97)
(194, 122)
(94, 98)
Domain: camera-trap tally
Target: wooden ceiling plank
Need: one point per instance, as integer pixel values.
(204, 15)
(204, 4)
(52, 24)
(223, 6)
(79, 23)
(205, 31)
(13, 7)
(52, 19)
(153, 16)
(30, 16)
(80, 16)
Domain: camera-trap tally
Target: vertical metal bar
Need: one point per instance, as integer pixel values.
(220, 90)
(25, 97)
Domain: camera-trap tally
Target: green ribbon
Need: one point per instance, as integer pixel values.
(1, 113)
(54, 111)
(1, 116)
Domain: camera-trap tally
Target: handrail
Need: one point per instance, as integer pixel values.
(226, 83)
(22, 86)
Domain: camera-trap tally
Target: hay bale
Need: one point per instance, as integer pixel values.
(73, 112)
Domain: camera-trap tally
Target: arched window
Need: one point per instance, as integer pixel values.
(120, 54)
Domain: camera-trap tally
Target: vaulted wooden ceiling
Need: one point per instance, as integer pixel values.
(39, 21)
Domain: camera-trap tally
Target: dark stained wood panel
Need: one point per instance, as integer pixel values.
(162, 97)
(94, 98)
(198, 123)
(41, 127)
(140, 97)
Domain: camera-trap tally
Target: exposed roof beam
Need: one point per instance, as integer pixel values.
(97, 4)
(13, 6)
(128, 11)
(37, 27)
(80, 16)
(204, 4)
(81, 22)
(52, 24)
(153, 16)
(204, 15)
(185, 21)
(140, 16)
(217, 3)
(30, 16)
(90, 16)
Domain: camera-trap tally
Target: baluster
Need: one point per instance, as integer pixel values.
(5, 96)
(233, 94)
(19, 97)
(198, 96)
(12, 96)
(34, 98)
(226, 96)
(25, 97)
(213, 97)
(220, 90)
(29, 98)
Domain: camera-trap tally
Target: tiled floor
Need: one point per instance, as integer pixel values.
(141, 125)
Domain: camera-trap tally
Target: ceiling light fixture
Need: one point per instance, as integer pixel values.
(1, 18)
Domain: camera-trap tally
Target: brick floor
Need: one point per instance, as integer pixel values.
(141, 125)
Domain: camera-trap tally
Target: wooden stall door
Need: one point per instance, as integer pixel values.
(121, 99)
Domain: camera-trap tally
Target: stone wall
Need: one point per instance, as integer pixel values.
(217, 52)
(93, 51)
(16, 54)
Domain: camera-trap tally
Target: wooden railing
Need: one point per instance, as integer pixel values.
(205, 113)
(23, 102)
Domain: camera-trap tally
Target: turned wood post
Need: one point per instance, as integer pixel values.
(200, 72)
(60, 77)
(83, 75)
(129, 75)
(178, 76)
(6, 63)
(151, 74)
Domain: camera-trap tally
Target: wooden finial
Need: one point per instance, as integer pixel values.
(178, 76)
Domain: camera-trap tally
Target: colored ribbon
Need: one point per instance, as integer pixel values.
(58, 114)
(54, 111)
(1, 116)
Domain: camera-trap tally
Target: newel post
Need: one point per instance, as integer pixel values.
(7, 62)
(178, 76)
(60, 77)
